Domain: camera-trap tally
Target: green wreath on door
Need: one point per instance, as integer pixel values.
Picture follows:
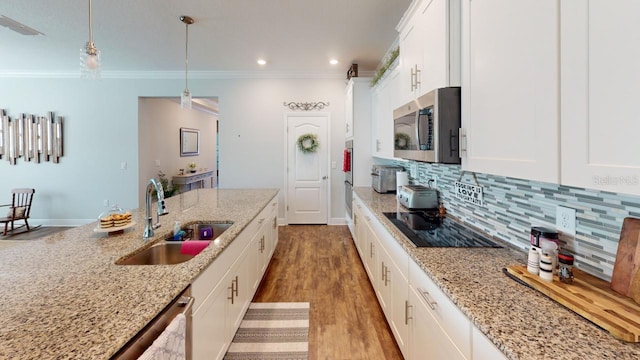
(308, 143)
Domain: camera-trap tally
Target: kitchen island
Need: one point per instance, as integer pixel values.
(63, 296)
(521, 322)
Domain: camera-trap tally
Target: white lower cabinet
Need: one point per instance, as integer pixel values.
(210, 324)
(483, 348)
(425, 322)
(224, 290)
(428, 340)
(436, 320)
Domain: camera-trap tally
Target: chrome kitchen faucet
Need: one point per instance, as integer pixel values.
(162, 209)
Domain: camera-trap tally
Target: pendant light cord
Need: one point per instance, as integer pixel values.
(186, 59)
(90, 24)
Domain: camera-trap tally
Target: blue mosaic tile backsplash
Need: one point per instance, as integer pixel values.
(512, 206)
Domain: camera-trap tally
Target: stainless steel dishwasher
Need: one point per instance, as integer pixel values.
(183, 303)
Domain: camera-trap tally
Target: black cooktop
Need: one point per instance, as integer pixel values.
(428, 229)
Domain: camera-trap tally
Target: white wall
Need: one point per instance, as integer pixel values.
(160, 120)
(101, 132)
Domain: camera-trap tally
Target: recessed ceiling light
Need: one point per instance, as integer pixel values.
(333, 62)
(262, 62)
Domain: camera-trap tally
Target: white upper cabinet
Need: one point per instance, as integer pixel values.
(510, 88)
(382, 99)
(600, 79)
(349, 111)
(358, 107)
(429, 48)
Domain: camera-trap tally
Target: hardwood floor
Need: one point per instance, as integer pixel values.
(319, 264)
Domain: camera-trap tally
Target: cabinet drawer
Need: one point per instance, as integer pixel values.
(449, 317)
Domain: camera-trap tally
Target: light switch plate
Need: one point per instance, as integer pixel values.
(566, 220)
(413, 170)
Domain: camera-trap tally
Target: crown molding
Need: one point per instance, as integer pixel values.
(169, 75)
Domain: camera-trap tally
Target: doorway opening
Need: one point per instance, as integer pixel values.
(160, 120)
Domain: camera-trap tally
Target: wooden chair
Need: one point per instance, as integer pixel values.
(19, 209)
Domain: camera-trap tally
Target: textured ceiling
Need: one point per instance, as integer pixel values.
(229, 35)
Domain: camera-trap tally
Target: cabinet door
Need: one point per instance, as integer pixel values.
(450, 319)
(385, 102)
(428, 340)
(349, 111)
(399, 306)
(210, 326)
(483, 348)
(440, 23)
(371, 249)
(383, 287)
(600, 90)
(411, 49)
(510, 82)
(242, 285)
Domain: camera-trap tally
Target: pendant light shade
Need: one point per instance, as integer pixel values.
(90, 62)
(185, 98)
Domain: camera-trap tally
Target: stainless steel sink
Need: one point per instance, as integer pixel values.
(168, 252)
(164, 253)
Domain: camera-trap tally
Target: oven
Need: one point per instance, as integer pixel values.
(347, 167)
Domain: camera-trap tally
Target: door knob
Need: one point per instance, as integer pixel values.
(324, 177)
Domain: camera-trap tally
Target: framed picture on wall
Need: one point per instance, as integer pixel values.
(189, 142)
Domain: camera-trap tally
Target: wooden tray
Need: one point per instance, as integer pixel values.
(590, 297)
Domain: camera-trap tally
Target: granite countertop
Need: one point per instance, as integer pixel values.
(520, 321)
(63, 297)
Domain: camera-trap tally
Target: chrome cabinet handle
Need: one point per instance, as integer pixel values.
(383, 272)
(425, 295)
(231, 292)
(417, 77)
(413, 75)
(371, 250)
(462, 141)
(236, 288)
(406, 312)
(187, 302)
(386, 276)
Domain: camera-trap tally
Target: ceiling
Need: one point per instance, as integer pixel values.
(228, 35)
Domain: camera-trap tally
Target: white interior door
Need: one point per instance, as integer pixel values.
(307, 184)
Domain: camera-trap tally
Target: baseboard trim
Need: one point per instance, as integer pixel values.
(60, 222)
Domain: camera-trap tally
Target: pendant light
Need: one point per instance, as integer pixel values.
(90, 55)
(185, 99)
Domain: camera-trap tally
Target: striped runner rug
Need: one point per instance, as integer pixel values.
(272, 331)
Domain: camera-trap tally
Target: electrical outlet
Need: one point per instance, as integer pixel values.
(566, 220)
(433, 181)
(105, 203)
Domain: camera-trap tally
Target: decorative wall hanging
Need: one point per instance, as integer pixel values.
(306, 106)
(352, 72)
(33, 138)
(308, 143)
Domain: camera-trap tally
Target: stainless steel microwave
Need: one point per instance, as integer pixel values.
(426, 129)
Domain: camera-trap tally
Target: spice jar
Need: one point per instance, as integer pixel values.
(565, 272)
(546, 267)
(538, 233)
